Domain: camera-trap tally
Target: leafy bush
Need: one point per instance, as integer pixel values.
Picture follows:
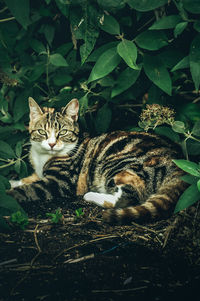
(115, 56)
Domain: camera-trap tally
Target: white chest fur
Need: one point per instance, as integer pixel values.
(38, 160)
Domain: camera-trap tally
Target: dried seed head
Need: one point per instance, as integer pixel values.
(5, 79)
(155, 115)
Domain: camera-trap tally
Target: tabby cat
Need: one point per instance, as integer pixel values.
(131, 174)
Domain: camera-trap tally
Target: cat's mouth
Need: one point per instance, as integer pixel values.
(53, 151)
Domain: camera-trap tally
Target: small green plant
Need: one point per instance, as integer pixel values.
(192, 194)
(55, 217)
(79, 212)
(19, 219)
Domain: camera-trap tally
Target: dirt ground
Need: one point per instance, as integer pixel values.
(85, 259)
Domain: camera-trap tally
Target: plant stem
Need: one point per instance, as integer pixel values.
(7, 19)
(36, 85)
(47, 68)
(189, 136)
(6, 165)
(11, 162)
(3, 9)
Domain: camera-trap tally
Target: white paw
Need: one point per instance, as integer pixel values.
(14, 183)
(95, 198)
(102, 199)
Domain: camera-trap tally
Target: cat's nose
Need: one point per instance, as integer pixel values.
(52, 145)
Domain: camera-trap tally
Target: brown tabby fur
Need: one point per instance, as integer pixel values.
(139, 163)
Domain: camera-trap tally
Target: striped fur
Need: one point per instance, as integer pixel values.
(135, 167)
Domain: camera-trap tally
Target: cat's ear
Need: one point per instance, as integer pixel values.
(35, 110)
(71, 109)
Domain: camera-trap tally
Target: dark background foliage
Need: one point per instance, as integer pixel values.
(114, 56)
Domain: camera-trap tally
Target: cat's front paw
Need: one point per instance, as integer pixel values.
(95, 198)
(15, 183)
(101, 199)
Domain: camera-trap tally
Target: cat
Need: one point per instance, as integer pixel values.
(130, 174)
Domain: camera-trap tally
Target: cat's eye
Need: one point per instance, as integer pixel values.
(63, 132)
(42, 132)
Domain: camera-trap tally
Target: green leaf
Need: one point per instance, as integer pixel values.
(198, 185)
(184, 63)
(157, 73)
(125, 80)
(167, 132)
(6, 151)
(189, 179)
(197, 26)
(146, 5)
(84, 26)
(189, 167)
(58, 60)
(3, 225)
(64, 48)
(178, 127)
(23, 170)
(2, 188)
(194, 58)
(18, 149)
(4, 181)
(128, 51)
(151, 40)
(190, 111)
(190, 196)
(20, 11)
(37, 46)
(99, 51)
(180, 27)
(5, 130)
(9, 203)
(109, 24)
(90, 40)
(38, 70)
(19, 126)
(107, 81)
(111, 5)
(105, 64)
(166, 22)
(83, 103)
(192, 6)
(62, 77)
(196, 129)
(63, 6)
(21, 105)
(17, 166)
(6, 118)
(49, 32)
(192, 147)
(170, 57)
(103, 119)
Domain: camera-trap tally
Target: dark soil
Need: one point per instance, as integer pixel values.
(86, 259)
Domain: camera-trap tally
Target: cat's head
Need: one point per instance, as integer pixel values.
(51, 131)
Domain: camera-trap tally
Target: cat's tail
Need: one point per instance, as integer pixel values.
(158, 205)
